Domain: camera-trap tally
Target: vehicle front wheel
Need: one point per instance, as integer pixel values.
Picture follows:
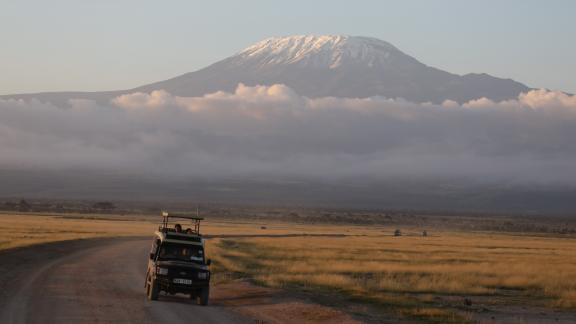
(152, 290)
(203, 296)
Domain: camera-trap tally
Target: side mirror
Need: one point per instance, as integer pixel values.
(208, 262)
(151, 256)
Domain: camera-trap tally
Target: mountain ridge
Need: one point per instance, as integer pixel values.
(320, 66)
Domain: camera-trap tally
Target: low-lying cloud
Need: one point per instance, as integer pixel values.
(271, 130)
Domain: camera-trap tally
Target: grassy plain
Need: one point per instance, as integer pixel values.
(18, 230)
(440, 277)
(22, 229)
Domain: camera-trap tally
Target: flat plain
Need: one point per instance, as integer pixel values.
(365, 270)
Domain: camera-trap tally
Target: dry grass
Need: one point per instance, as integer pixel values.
(27, 229)
(22, 230)
(421, 276)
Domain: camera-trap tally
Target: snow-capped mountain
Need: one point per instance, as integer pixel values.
(340, 66)
(318, 66)
(322, 52)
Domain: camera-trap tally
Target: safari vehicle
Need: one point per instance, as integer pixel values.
(177, 262)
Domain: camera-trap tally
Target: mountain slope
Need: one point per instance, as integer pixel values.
(318, 66)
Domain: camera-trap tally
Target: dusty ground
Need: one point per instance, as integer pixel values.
(91, 281)
(275, 306)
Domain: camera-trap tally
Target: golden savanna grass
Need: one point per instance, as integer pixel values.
(26, 229)
(419, 275)
(422, 277)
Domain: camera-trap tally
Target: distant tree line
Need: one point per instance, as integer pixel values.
(24, 206)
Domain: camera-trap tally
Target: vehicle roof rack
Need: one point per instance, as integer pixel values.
(195, 218)
(166, 214)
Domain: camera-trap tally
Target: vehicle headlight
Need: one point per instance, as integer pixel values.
(202, 275)
(162, 271)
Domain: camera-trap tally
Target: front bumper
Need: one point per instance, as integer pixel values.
(166, 283)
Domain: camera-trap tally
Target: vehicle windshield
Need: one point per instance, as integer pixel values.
(181, 252)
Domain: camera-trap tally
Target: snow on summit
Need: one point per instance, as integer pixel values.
(327, 51)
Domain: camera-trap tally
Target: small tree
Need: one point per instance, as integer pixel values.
(24, 206)
(104, 205)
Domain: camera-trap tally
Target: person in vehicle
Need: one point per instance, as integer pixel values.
(166, 253)
(188, 230)
(178, 228)
(197, 255)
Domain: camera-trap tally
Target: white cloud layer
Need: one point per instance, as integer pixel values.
(273, 130)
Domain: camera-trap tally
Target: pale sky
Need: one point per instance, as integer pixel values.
(107, 45)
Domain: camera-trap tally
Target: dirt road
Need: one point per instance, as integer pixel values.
(90, 281)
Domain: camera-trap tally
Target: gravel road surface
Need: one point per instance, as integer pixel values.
(91, 281)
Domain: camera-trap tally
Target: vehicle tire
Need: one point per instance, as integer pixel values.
(203, 296)
(153, 290)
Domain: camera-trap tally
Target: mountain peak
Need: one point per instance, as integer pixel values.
(321, 51)
(325, 66)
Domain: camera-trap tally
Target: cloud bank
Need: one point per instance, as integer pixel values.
(271, 130)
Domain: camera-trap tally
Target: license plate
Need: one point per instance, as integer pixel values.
(183, 281)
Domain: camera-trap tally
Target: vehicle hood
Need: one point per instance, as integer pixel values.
(182, 264)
